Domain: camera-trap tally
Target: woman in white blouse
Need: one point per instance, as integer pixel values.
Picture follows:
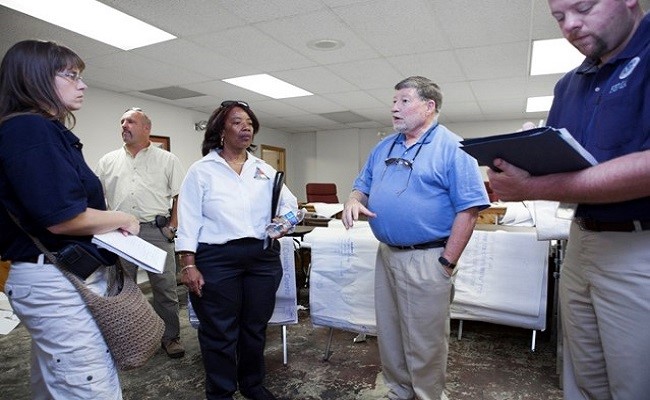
(224, 207)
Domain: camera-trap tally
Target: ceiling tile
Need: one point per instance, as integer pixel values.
(484, 22)
(395, 27)
(296, 32)
(495, 61)
(315, 80)
(251, 46)
(357, 72)
(188, 55)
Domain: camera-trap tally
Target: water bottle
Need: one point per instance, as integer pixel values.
(285, 223)
(191, 314)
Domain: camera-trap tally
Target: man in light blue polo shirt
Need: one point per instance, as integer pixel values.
(422, 194)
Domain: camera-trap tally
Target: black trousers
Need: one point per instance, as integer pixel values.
(241, 279)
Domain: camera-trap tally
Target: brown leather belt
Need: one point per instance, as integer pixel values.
(588, 224)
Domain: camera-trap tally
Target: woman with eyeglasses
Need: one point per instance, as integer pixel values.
(232, 276)
(48, 187)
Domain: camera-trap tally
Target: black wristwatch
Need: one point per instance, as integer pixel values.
(446, 262)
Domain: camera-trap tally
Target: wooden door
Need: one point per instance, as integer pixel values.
(275, 157)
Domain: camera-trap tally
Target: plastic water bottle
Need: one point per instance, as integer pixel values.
(285, 223)
(191, 314)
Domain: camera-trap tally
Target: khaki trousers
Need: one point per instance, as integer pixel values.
(412, 298)
(605, 310)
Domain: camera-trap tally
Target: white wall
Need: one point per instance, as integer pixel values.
(325, 156)
(98, 127)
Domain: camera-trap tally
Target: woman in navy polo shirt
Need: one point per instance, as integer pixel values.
(46, 184)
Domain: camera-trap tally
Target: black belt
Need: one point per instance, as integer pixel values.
(588, 224)
(34, 260)
(423, 246)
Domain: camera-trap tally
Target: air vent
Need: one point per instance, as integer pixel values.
(172, 93)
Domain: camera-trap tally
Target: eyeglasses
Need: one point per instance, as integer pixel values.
(73, 76)
(229, 103)
(400, 161)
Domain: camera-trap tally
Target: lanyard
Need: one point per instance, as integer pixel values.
(424, 138)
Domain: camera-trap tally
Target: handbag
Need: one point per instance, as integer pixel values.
(130, 326)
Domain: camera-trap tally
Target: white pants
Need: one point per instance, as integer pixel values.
(70, 359)
(605, 309)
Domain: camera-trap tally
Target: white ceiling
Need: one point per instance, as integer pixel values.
(476, 50)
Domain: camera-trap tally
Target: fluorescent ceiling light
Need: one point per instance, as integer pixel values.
(268, 86)
(554, 56)
(94, 20)
(537, 104)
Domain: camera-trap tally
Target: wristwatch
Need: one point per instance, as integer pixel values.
(446, 262)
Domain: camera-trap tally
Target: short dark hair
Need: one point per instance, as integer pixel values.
(425, 87)
(217, 123)
(27, 74)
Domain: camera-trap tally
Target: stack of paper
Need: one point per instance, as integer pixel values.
(132, 248)
(8, 320)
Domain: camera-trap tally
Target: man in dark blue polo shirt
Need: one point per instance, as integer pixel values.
(605, 283)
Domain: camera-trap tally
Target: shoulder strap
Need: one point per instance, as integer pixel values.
(36, 241)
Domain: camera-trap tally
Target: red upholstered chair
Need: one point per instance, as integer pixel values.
(321, 193)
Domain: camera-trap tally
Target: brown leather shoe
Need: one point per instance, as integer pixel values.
(173, 348)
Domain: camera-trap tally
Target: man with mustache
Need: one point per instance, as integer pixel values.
(144, 180)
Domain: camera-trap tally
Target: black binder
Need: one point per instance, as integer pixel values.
(277, 188)
(540, 151)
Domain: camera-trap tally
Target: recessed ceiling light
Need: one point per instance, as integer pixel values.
(268, 85)
(325, 44)
(94, 20)
(539, 104)
(554, 56)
